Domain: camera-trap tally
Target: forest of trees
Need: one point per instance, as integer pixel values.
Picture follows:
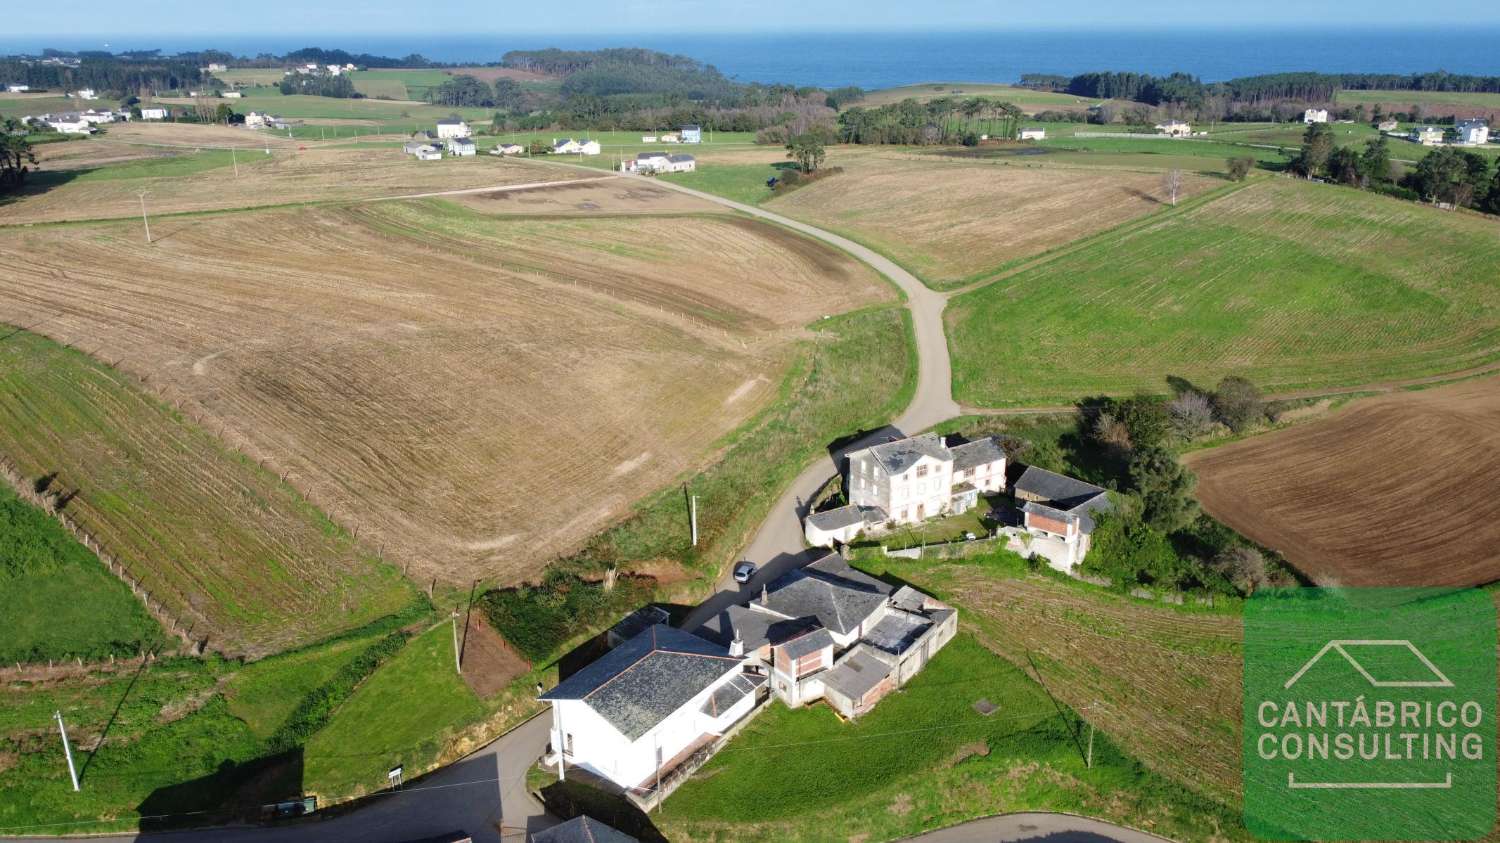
(116, 76)
(939, 121)
(319, 85)
(1448, 175)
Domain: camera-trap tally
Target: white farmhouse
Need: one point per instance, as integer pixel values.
(1033, 133)
(1428, 135)
(1174, 128)
(648, 705)
(71, 123)
(159, 112)
(648, 139)
(18, 89)
(460, 147)
(1315, 115)
(94, 117)
(86, 94)
(508, 149)
(215, 67)
(233, 95)
(452, 127)
(1473, 132)
(692, 133)
(253, 119)
(569, 146)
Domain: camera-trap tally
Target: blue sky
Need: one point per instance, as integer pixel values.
(126, 18)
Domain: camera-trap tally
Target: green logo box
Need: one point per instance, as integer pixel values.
(1369, 714)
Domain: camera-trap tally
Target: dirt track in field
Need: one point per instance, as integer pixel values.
(1395, 490)
(473, 395)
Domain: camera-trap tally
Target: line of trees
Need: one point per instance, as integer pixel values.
(1448, 175)
(940, 121)
(319, 85)
(113, 75)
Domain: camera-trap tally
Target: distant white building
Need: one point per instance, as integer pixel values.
(69, 124)
(18, 89)
(508, 149)
(692, 133)
(1174, 128)
(1473, 132)
(460, 147)
(86, 94)
(1033, 133)
(1428, 135)
(659, 162)
(648, 139)
(452, 128)
(215, 67)
(569, 146)
(1388, 125)
(671, 137)
(254, 119)
(423, 151)
(1315, 115)
(233, 95)
(159, 112)
(94, 117)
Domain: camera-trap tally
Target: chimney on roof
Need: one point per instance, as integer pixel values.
(765, 595)
(737, 647)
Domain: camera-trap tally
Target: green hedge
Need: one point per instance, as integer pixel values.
(317, 708)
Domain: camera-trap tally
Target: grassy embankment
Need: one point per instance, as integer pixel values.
(1291, 284)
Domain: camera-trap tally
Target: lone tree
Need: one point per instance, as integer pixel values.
(1240, 167)
(15, 155)
(807, 150)
(1238, 403)
(1172, 183)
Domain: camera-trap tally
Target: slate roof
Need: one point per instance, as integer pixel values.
(756, 629)
(725, 696)
(808, 643)
(979, 452)
(680, 158)
(647, 156)
(639, 683)
(582, 829)
(829, 590)
(639, 621)
(857, 673)
(1079, 513)
(846, 516)
(1060, 490)
(450, 121)
(897, 631)
(896, 457)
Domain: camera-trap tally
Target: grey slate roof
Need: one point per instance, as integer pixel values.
(896, 457)
(809, 643)
(756, 629)
(908, 598)
(1080, 513)
(639, 621)
(897, 631)
(1062, 491)
(647, 156)
(725, 696)
(680, 158)
(582, 829)
(856, 673)
(846, 516)
(829, 590)
(637, 684)
(449, 121)
(979, 452)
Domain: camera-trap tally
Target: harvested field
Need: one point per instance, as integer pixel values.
(285, 175)
(474, 395)
(1164, 682)
(226, 547)
(617, 196)
(1393, 490)
(1297, 286)
(949, 220)
(489, 664)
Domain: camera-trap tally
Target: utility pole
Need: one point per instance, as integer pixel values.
(67, 750)
(235, 158)
(562, 744)
(693, 512)
(144, 221)
(1089, 760)
(457, 661)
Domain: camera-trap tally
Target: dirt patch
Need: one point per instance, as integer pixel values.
(617, 196)
(977, 749)
(489, 664)
(1393, 490)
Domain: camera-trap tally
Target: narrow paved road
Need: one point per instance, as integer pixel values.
(1037, 828)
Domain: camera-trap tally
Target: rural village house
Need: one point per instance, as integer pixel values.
(908, 481)
(85, 94)
(692, 134)
(1315, 115)
(71, 123)
(568, 146)
(1388, 125)
(582, 829)
(452, 128)
(1174, 128)
(1033, 133)
(652, 710)
(1427, 135)
(233, 95)
(659, 162)
(160, 112)
(461, 147)
(1473, 132)
(508, 149)
(1057, 514)
(94, 117)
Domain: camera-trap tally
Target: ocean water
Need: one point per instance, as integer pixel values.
(881, 60)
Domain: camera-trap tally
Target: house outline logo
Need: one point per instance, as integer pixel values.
(1339, 646)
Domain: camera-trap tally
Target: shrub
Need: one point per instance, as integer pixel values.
(538, 620)
(317, 708)
(1238, 403)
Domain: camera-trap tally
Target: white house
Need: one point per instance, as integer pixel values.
(1473, 132)
(648, 705)
(86, 94)
(69, 124)
(94, 117)
(648, 139)
(253, 119)
(461, 147)
(681, 163)
(1033, 133)
(671, 137)
(828, 631)
(215, 67)
(335, 69)
(646, 162)
(1388, 125)
(233, 95)
(1427, 135)
(508, 149)
(581, 829)
(1174, 128)
(423, 151)
(568, 146)
(159, 112)
(1315, 115)
(692, 133)
(1057, 511)
(18, 89)
(452, 128)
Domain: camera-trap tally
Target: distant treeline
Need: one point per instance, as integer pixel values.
(107, 74)
(941, 121)
(1188, 90)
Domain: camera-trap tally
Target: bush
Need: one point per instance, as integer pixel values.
(537, 620)
(1240, 167)
(1238, 403)
(317, 708)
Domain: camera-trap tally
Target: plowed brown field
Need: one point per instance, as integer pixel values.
(472, 394)
(1403, 489)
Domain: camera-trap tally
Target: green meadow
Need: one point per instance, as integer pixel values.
(1292, 284)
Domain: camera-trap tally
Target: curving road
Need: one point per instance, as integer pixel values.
(1036, 828)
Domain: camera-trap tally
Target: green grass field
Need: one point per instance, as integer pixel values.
(397, 83)
(1294, 285)
(740, 182)
(303, 107)
(22, 106)
(251, 76)
(1027, 99)
(1392, 99)
(923, 758)
(266, 692)
(223, 543)
(57, 598)
(401, 715)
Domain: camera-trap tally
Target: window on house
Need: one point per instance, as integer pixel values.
(921, 471)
